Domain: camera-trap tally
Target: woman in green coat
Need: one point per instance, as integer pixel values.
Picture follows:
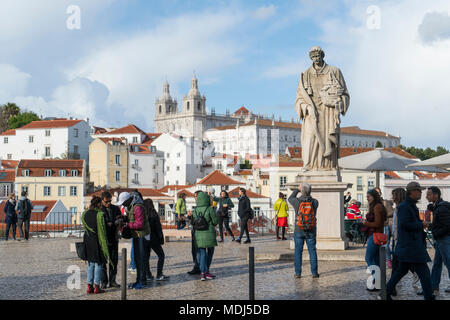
(205, 240)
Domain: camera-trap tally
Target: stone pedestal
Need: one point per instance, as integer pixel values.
(327, 187)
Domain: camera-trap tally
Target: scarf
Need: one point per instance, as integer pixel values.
(101, 228)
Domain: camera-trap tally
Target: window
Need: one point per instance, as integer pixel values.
(62, 173)
(168, 155)
(136, 177)
(5, 140)
(160, 109)
(117, 159)
(283, 181)
(48, 173)
(176, 182)
(25, 189)
(116, 143)
(178, 155)
(61, 191)
(178, 168)
(371, 183)
(25, 173)
(264, 182)
(219, 165)
(30, 139)
(74, 173)
(135, 140)
(73, 191)
(359, 197)
(47, 191)
(85, 134)
(136, 162)
(167, 169)
(75, 133)
(199, 106)
(117, 176)
(73, 210)
(153, 149)
(47, 151)
(47, 132)
(9, 156)
(187, 105)
(359, 185)
(75, 149)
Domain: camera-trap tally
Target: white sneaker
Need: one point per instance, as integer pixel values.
(436, 292)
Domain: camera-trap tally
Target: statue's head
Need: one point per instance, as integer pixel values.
(316, 54)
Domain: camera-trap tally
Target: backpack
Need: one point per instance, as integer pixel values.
(200, 223)
(23, 207)
(306, 216)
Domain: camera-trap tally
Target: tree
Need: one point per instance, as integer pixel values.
(378, 144)
(22, 119)
(424, 154)
(7, 111)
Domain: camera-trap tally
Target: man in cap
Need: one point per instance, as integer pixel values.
(411, 247)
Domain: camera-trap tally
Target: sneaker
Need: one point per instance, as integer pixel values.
(298, 276)
(140, 286)
(194, 271)
(278, 238)
(114, 285)
(90, 289)
(233, 239)
(209, 276)
(283, 238)
(98, 290)
(372, 290)
(435, 292)
(315, 276)
(132, 285)
(162, 278)
(103, 286)
(247, 241)
(203, 276)
(132, 271)
(221, 240)
(150, 278)
(238, 240)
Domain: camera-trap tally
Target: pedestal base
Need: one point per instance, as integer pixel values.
(327, 188)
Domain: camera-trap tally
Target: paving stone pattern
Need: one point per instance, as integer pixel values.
(37, 269)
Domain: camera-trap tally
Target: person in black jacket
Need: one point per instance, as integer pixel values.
(24, 208)
(411, 247)
(112, 216)
(10, 216)
(441, 234)
(156, 240)
(244, 213)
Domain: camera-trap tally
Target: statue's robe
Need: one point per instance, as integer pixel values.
(320, 140)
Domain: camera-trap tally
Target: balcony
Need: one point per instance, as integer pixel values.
(134, 181)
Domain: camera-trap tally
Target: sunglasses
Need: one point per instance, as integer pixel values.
(108, 201)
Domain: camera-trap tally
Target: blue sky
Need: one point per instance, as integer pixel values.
(246, 53)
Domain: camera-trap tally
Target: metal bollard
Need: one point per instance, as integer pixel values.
(124, 274)
(383, 272)
(251, 271)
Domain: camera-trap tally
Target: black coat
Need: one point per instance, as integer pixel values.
(411, 246)
(110, 217)
(441, 219)
(10, 212)
(93, 250)
(244, 208)
(156, 232)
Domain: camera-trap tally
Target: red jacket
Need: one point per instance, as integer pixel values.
(353, 212)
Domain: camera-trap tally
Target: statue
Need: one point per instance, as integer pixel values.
(322, 97)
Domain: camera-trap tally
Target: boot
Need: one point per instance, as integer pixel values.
(97, 289)
(90, 289)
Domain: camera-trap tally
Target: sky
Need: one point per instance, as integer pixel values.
(109, 62)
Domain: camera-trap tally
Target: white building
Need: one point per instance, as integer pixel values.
(47, 139)
(146, 167)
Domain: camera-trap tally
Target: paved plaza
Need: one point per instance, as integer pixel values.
(37, 269)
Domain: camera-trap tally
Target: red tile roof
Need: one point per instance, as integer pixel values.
(244, 173)
(146, 192)
(264, 176)
(241, 111)
(143, 149)
(48, 124)
(235, 194)
(35, 216)
(106, 140)
(165, 189)
(217, 178)
(98, 130)
(150, 137)
(9, 164)
(357, 130)
(129, 129)
(51, 164)
(296, 152)
(264, 123)
(187, 193)
(7, 176)
(391, 175)
(11, 132)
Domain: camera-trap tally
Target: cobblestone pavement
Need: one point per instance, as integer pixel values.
(37, 269)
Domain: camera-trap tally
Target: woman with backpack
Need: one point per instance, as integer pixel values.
(156, 240)
(10, 216)
(374, 223)
(223, 213)
(282, 209)
(96, 243)
(204, 220)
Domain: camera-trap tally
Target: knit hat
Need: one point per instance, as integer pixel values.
(124, 196)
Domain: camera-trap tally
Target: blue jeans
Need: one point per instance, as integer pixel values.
(141, 256)
(8, 226)
(441, 255)
(388, 249)
(372, 253)
(204, 258)
(94, 274)
(181, 224)
(132, 262)
(299, 240)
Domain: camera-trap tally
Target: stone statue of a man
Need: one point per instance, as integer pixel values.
(322, 97)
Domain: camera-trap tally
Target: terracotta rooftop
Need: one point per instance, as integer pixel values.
(49, 164)
(98, 130)
(9, 164)
(165, 189)
(252, 195)
(357, 130)
(217, 178)
(242, 111)
(49, 124)
(146, 192)
(187, 193)
(150, 137)
(7, 176)
(244, 173)
(264, 123)
(296, 152)
(143, 149)
(391, 175)
(11, 132)
(129, 129)
(106, 140)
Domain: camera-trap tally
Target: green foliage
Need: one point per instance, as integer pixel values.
(246, 165)
(378, 144)
(22, 119)
(7, 111)
(424, 154)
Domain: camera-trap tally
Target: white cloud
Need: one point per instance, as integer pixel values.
(434, 27)
(13, 82)
(265, 12)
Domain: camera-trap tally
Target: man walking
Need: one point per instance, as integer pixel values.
(305, 228)
(111, 214)
(245, 213)
(441, 234)
(24, 208)
(411, 247)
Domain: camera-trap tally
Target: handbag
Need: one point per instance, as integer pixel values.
(380, 239)
(81, 250)
(126, 233)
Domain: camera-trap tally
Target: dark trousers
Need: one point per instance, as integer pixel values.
(422, 272)
(141, 259)
(244, 228)
(194, 253)
(26, 224)
(224, 221)
(113, 250)
(157, 248)
(8, 225)
(283, 230)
